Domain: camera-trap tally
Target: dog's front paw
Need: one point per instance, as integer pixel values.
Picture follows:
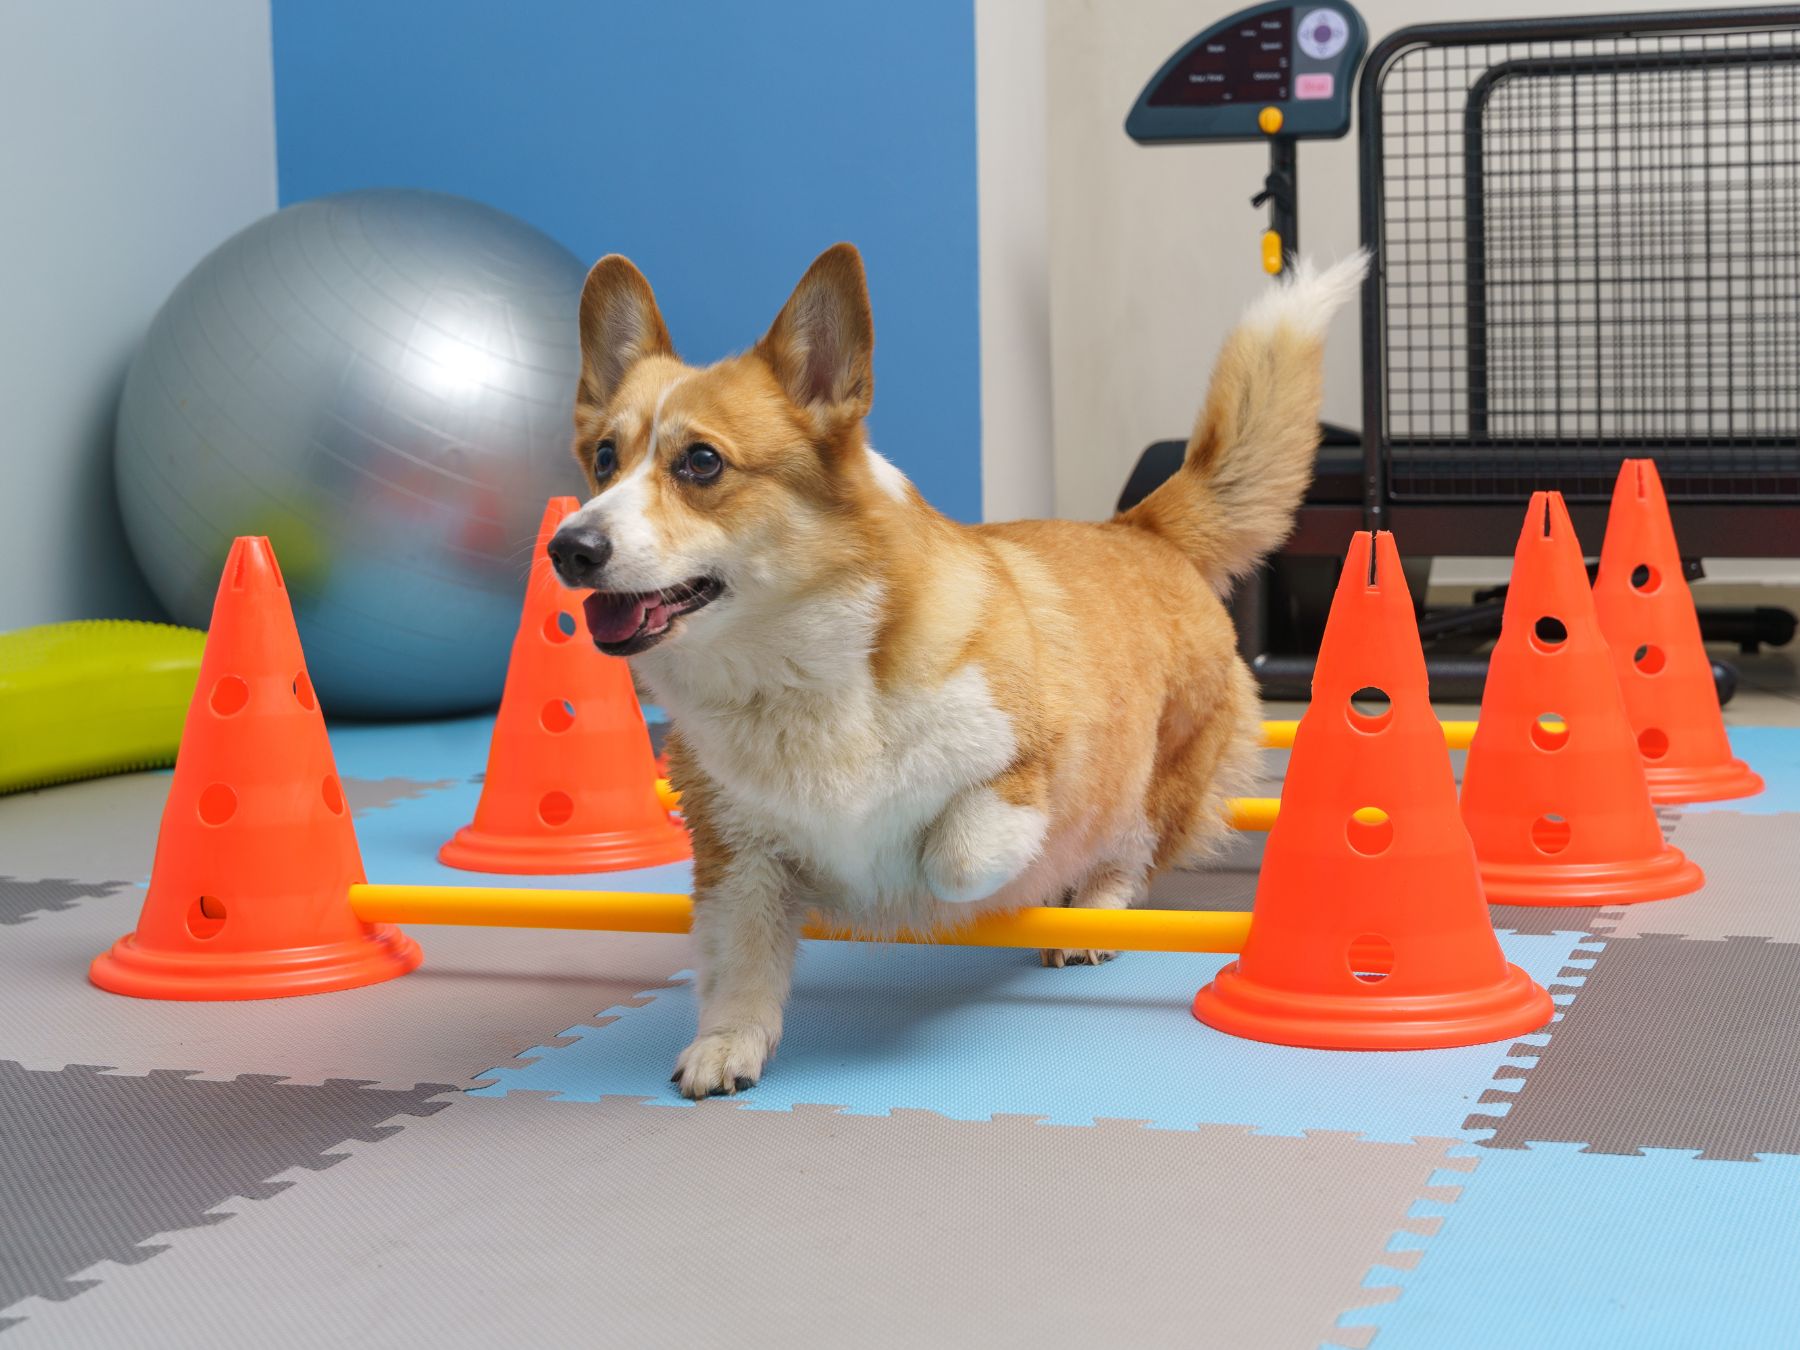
(721, 1062)
(1058, 957)
(979, 844)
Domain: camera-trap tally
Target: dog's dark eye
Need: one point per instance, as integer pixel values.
(700, 464)
(606, 459)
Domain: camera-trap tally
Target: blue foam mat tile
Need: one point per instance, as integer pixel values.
(1558, 1249)
(1424, 1208)
(1774, 752)
(421, 750)
(400, 842)
(973, 1033)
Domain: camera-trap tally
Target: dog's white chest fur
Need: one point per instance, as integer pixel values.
(810, 756)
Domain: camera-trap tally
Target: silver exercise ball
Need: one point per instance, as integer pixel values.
(381, 382)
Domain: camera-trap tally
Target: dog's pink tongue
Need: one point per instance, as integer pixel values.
(612, 617)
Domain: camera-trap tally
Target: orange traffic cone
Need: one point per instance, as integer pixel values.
(1553, 791)
(249, 894)
(1370, 930)
(1647, 614)
(571, 781)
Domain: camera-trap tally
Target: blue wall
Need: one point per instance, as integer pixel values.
(718, 145)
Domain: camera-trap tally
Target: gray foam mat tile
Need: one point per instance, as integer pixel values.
(521, 1221)
(482, 996)
(371, 794)
(1544, 918)
(21, 898)
(1670, 1044)
(1752, 866)
(95, 1165)
(92, 831)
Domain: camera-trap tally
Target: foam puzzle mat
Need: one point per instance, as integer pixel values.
(953, 1147)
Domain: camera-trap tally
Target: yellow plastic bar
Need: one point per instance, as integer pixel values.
(1136, 930)
(1254, 813)
(1457, 735)
(1279, 735)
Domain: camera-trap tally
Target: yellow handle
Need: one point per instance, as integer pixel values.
(1271, 252)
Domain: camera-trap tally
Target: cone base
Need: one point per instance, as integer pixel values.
(1673, 785)
(1514, 1006)
(1662, 876)
(199, 976)
(473, 850)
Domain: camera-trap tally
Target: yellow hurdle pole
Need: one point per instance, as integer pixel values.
(1253, 813)
(1457, 735)
(1135, 930)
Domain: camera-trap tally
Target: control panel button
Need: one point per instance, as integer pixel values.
(1313, 86)
(1269, 119)
(1323, 34)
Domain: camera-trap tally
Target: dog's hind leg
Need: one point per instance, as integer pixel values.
(1111, 885)
(1189, 792)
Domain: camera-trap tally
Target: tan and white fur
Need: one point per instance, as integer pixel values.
(888, 717)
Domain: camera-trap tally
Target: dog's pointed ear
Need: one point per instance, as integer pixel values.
(822, 344)
(620, 326)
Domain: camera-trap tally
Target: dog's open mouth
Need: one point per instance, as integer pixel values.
(623, 623)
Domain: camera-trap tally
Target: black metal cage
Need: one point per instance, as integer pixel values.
(1587, 240)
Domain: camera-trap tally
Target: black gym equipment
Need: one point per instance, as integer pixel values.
(1587, 247)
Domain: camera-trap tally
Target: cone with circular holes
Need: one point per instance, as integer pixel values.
(1553, 792)
(1647, 614)
(249, 893)
(1370, 931)
(571, 780)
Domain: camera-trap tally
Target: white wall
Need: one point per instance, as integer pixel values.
(1012, 152)
(1154, 249)
(133, 138)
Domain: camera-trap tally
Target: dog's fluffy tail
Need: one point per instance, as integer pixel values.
(1250, 458)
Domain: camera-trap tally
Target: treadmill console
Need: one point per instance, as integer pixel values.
(1272, 70)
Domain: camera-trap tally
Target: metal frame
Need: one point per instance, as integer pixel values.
(1732, 528)
(1474, 183)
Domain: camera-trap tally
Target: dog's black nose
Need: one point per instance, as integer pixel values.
(579, 554)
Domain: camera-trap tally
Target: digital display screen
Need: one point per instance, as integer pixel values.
(1250, 62)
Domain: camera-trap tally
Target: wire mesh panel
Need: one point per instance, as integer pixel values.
(1589, 248)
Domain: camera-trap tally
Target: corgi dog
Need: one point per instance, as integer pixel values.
(882, 715)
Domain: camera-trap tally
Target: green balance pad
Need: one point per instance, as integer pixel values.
(94, 697)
